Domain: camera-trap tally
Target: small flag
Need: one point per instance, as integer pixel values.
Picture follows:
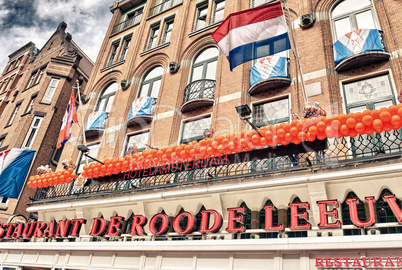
(268, 67)
(252, 34)
(96, 120)
(141, 106)
(69, 118)
(14, 166)
(357, 41)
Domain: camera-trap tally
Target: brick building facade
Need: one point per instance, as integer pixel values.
(36, 101)
(162, 51)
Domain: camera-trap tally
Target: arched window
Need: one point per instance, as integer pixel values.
(302, 221)
(151, 83)
(275, 221)
(106, 99)
(350, 15)
(346, 215)
(385, 214)
(205, 65)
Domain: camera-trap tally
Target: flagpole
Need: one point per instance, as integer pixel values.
(296, 53)
(82, 118)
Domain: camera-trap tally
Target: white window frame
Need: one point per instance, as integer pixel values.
(31, 128)
(15, 112)
(134, 134)
(3, 205)
(51, 89)
(183, 123)
(81, 158)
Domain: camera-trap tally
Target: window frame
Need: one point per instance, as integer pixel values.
(4, 203)
(352, 18)
(113, 52)
(276, 120)
(125, 46)
(167, 31)
(204, 64)
(49, 88)
(29, 108)
(151, 82)
(14, 114)
(31, 128)
(215, 10)
(153, 37)
(128, 136)
(193, 138)
(107, 97)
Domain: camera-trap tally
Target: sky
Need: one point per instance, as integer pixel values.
(22, 21)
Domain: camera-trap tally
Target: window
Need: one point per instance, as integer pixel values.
(202, 19)
(134, 17)
(31, 80)
(139, 140)
(271, 112)
(2, 141)
(4, 85)
(350, 15)
(126, 44)
(153, 38)
(256, 3)
(106, 99)
(93, 152)
(361, 213)
(113, 53)
(168, 32)
(30, 105)
(47, 98)
(39, 77)
(17, 107)
(218, 11)
(302, 221)
(275, 221)
(205, 65)
(32, 132)
(151, 83)
(9, 83)
(3, 203)
(193, 130)
(385, 214)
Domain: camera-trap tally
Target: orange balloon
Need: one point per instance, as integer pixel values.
(385, 116)
(344, 130)
(352, 132)
(321, 126)
(375, 114)
(329, 132)
(342, 118)
(367, 120)
(350, 122)
(396, 121)
(280, 133)
(313, 130)
(360, 128)
(378, 124)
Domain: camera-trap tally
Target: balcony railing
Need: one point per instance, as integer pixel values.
(200, 89)
(126, 24)
(163, 6)
(329, 153)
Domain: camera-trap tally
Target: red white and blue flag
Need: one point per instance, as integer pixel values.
(14, 167)
(253, 33)
(69, 118)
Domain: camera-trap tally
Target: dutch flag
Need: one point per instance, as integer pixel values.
(253, 33)
(69, 118)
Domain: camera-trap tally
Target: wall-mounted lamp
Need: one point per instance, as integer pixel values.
(84, 149)
(244, 112)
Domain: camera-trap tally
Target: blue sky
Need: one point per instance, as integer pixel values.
(22, 21)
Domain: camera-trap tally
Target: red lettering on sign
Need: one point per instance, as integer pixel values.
(63, 228)
(394, 206)
(50, 230)
(40, 226)
(318, 262)
(28, 229)
(115, 226)
(352, 202)
(324, 213)
(190, 225)
(99, 226)
(295, 215)
(205, 216)
(18, 230)
(269, 220)
(236, 214)
(164, 227)
(77, 223)
(137, 227)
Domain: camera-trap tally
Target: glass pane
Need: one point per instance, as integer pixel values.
(365, 90)
(211, 70)
(93, 150)
(271, 111)
(36, 122)
(101, 105)
(110, 89)
(155, 88)
(109, 104)
(139, 140)
(156, 72)
(342, 27)
(357, 109)
(197, 73)
(195, 128)
(349, 6)
(365, 20)
(144, 90)
(30, 137)
(382, 104)
(207, 55)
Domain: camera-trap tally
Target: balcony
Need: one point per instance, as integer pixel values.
(141, 111)
(269, 73)
(198, 94)
(95, 125)
(326, 154)
(163, 6)
(126, 24)
(359, 48)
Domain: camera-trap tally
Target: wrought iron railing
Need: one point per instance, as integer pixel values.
(126, 24)
(331, 152)
(199, 89)
(163, 6)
